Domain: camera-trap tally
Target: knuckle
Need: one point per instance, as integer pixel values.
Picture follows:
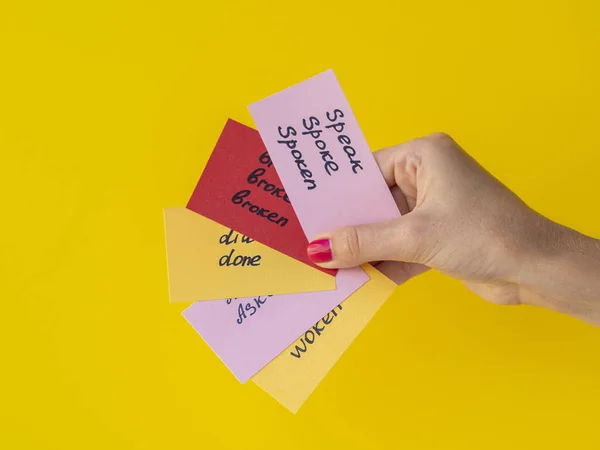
(351, 243)
(414, 228)
(439, 137)
(439, 141)
(438, 144)
(424, 235)
(413, 160)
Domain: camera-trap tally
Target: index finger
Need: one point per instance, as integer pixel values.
(387, 159)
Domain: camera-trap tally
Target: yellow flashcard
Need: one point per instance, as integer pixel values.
(207, 261)
(293, 375)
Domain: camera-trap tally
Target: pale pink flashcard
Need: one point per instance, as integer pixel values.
(322, 157)
(248, 333)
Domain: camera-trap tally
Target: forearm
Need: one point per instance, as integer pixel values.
(563, 273)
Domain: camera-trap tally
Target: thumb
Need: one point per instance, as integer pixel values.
(401, 239)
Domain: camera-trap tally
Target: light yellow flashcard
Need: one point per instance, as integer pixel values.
(207, 261)
(293, 375)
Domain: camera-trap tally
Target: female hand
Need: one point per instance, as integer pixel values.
(459, 219)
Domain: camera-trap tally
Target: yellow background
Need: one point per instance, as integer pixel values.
(108, 111)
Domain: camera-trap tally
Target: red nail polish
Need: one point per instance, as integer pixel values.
(319, 251)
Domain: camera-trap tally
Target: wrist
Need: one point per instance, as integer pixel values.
(559, 271)
(545, 247)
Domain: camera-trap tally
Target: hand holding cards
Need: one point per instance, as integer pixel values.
(243, 238)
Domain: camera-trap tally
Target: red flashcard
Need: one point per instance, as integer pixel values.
(240, 189)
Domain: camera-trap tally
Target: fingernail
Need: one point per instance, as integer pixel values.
(319, 251)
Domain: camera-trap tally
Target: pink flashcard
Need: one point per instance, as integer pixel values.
(248, 333)
(322, 157)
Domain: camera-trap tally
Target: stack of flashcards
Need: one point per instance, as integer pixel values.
(237, 251)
